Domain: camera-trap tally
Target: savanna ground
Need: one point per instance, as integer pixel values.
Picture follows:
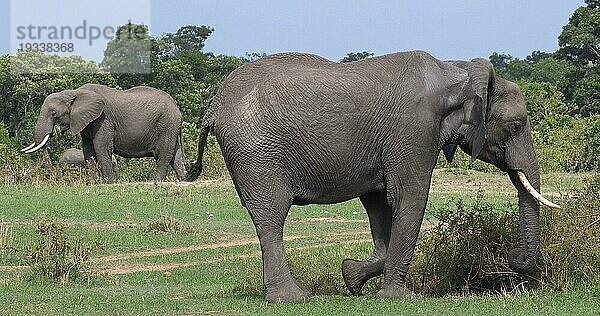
(191, 249)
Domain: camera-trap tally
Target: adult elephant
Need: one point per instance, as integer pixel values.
(75, 156)
(299, 129)
(139, 122)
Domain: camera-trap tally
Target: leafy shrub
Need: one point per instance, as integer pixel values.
(8, 147)
(139, 170)
(56, 258)
(165, 224)
(571, 238)
(542, 99)
(466, 250)
(568, 144)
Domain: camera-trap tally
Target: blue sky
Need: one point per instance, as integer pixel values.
(448, 29)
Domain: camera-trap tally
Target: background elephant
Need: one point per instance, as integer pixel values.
(139, 122)
(299, 129)
(75, 157)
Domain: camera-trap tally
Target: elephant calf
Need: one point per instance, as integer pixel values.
(75, 157)
(298, 129)
(135, 123)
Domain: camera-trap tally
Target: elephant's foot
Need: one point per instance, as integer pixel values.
(288, 292)
(357, 273)
(395, 292)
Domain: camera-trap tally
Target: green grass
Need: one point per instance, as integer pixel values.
(227, 280)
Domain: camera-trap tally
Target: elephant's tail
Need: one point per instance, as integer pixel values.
(196, 168)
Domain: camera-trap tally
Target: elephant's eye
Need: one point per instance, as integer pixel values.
(515, 127)
(53, 113)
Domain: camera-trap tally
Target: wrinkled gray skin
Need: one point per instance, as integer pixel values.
(75, 157)
(299, 129)
(139, 122)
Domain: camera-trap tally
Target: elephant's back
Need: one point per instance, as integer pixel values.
(263, 87)
(147, 104)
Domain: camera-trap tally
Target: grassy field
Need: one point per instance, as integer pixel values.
(214, 259)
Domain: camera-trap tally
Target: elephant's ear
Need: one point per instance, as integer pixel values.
(481, 81)
(86, 107)
(449, 151)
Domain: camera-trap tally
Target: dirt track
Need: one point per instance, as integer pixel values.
(149, 267)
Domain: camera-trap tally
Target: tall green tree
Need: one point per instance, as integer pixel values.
(580, 38)
(501, 63)
(542, 99)
(580, 43)
(175, 77)
(131, 55)
(189, 38)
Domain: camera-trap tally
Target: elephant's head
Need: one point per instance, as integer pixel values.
(495, 128)
(69, 109)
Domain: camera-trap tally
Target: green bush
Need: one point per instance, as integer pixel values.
(139, 170)
(568, 144)
(8, 146)
(56, 258)
(466, 250)
(571, 238)
(542, 99)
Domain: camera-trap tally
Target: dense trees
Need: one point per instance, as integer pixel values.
(574, 69)
(178, 65)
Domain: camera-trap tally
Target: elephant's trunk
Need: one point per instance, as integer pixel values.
(524, 172)
(42, 133)
(523, 259)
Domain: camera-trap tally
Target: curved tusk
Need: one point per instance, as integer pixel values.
(28, 147)
(40, 145)
(533, 192)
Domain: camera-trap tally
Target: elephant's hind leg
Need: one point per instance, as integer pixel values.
(178, 164)
(357, 272)
(268, 210)
(164, 155)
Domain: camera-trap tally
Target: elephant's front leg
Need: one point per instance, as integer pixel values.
(406, 224)
(88, 149)
(357, 272)
(103, 147)
(89, 155)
